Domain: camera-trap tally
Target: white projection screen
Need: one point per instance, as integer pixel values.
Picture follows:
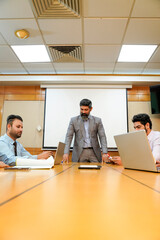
(62, 104)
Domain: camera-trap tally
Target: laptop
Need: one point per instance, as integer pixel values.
(135, 151)
(59, 153)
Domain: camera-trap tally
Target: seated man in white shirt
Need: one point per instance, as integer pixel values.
(143, 122)
(10, 148)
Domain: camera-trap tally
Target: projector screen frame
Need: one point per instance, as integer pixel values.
(55, 147)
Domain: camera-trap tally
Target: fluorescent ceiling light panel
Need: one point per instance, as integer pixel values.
(136, 53)
(31, 53)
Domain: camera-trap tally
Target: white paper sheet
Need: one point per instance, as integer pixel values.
(35, 163)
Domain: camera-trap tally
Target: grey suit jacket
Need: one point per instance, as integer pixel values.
(76, 129)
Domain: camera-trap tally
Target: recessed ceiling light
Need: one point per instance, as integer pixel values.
(136, 53)
(31, 53)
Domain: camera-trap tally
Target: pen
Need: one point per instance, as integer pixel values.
(109, 157)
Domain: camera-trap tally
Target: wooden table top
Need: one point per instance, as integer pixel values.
(68, 203)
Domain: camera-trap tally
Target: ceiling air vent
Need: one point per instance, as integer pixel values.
(66, 53)
(57, 8)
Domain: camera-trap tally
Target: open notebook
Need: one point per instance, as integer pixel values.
(26, 163)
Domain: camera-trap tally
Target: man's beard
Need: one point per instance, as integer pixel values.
(84, 116)
(18, 136)
(15, 135)
(145, 129)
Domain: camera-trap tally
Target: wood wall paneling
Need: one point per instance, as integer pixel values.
(22, 93)
(139, 93)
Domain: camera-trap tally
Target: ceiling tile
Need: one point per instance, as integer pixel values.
(143, 31)
(8, 28)
(7, 55)
(146, 8)
(104, 31)
(69, 67)
(15, 9)
(2, 41)
(43, 68)
(152, 68)
(101, 53)
(61, 31)
(130, 68)
(12, 68)
(156, 56)
(99, 68)
(107, 8)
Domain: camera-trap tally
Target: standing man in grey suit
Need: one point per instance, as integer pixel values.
(86, 130)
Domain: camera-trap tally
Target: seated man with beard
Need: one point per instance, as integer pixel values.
(143, 122)
(10, 147)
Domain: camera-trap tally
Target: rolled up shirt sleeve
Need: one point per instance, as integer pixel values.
(154, 141)
(6, 160)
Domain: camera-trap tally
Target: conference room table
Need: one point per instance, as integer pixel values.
(70, 203)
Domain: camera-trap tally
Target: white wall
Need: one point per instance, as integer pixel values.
(142, 107)
(32, 113)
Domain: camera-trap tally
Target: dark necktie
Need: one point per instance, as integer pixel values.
(15, 148)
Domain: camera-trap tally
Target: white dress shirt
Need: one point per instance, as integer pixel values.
(154, 141)
(87, 140)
